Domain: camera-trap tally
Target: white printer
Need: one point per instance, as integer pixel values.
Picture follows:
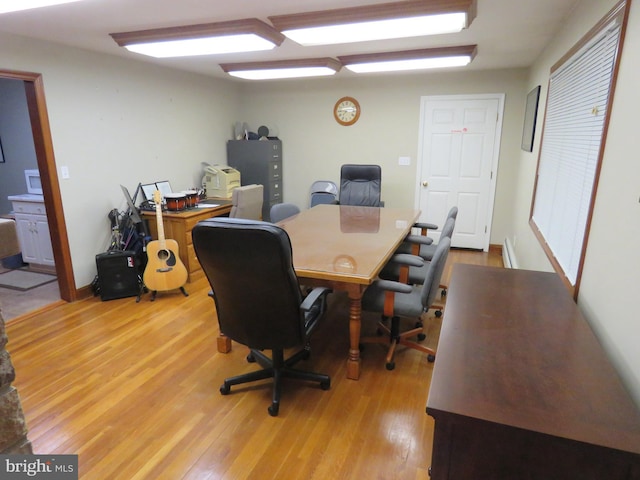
(219, 181)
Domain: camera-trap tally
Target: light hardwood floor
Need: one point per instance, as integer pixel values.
(133, 390)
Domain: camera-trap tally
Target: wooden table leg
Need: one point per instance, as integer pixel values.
(355, 316)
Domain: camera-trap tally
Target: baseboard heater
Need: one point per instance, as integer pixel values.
(508, 254)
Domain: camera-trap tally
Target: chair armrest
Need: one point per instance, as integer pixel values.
(407, 259)
(311, 299)
(428, 226)
(392, 286)
(421, 239)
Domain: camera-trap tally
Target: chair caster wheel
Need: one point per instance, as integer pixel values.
(325, 385)
(438, 313)
(306, 354)
(251, 358)
(421, 337)
(390, 365)
(224, 389)
(273, 409)
(431, 358)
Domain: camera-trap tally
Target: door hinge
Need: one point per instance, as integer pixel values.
(485, 229)
(491, 177)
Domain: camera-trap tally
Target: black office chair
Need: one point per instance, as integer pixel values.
(361, 185)
(280, 211)
(395, 299)
(257, 297)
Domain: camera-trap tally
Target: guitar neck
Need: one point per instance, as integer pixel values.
(159, 223)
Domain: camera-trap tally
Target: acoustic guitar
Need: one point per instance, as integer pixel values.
(164, 270)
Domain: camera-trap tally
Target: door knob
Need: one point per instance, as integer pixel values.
(425, 183)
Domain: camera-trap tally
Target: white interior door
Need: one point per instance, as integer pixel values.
(458, 159)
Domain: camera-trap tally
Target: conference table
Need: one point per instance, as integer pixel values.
(345, 247)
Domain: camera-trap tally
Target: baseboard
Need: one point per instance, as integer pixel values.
(509, 254)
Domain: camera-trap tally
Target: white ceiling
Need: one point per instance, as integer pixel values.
(509, 33)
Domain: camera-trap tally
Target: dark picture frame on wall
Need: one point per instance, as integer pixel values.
(530, 115)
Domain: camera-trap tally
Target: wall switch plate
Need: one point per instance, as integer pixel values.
(404, 161)
(64, 171)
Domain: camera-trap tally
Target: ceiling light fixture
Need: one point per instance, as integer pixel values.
(7, 6)
(410, 60)
(278, 69)
(235, 36)
(377, 22)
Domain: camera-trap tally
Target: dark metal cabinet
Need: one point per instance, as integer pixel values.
(259, 161)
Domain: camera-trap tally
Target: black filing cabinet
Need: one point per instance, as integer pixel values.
(259, 161)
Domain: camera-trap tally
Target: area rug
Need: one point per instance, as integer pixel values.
(24, 280)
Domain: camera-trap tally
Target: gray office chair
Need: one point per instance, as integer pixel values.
(280, 211)
(416, 274)
(395, 299)
(422, 244)
(258, 300)
(323, 192)
(246, 202)
(360, 185)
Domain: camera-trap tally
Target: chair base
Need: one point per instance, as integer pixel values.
(276, 368)
(394, 338)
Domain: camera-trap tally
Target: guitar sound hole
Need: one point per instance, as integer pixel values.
(167, 256)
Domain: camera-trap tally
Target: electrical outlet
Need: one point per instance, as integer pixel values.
(64, 171)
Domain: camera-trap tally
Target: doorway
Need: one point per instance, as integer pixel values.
(43, 144)
(457, 163)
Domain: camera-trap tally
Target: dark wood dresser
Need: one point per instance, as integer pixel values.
(521, 387)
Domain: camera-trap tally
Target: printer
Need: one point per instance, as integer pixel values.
(219, 181)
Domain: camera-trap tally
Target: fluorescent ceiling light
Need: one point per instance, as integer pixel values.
(7, 6)
(410, 60)
(282, 69)
(202, 46)
(378, 30)
(377, 22)
(235, 36)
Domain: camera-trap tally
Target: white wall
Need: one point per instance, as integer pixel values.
(115, 121)
(315, 145)
(611, 276)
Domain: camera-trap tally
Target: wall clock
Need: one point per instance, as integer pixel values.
(346, 111)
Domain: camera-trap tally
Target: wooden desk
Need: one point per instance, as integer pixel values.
(521, 387)
(178, 226)
(345, 248)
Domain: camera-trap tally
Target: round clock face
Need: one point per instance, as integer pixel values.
(346, 111)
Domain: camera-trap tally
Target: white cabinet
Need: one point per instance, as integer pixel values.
(33, 229)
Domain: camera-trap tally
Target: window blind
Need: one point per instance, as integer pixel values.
(576, 112)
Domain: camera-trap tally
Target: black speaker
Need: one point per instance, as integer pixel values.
(118, 275)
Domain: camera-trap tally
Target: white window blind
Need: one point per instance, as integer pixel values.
(576, 111)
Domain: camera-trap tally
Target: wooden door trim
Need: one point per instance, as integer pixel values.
(43, 143)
